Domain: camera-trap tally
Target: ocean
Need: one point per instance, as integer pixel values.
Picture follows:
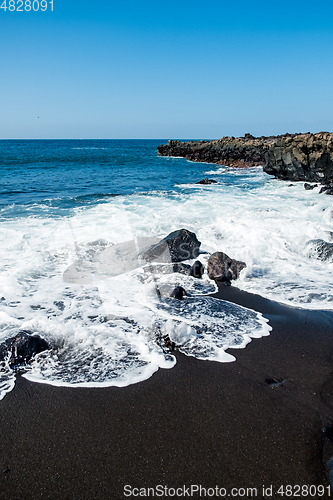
(66, 203)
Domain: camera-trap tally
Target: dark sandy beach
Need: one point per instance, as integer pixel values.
(200, 423)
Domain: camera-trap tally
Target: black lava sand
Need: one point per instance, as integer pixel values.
(254, 423)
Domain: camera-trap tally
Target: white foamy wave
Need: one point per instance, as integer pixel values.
(99, 336)
(262, 221)
(111, 331)
(115, 352)
(205, 327)
(217, 171)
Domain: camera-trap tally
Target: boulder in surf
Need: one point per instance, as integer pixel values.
(222, 268)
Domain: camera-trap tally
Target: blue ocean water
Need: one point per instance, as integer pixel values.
(74, 172)
(64, 204)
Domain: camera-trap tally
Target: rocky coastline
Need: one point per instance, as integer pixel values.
(295, 157)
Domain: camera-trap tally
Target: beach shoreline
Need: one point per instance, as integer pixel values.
(254, 423)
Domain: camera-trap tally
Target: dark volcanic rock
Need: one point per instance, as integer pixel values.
(234, 152)
(207, 181)
(177, 246)
(197, 269)
(321, 249)
(222, 268)
(301, 157)
(328, 189)
(296, 157)
(178, 293)
(175, 292)
(22, 348)
(308, 187)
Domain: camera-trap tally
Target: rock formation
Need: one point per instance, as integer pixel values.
(197, 269)
(207, 181)
(309, 187)
(321, 250)
(222, 268)
(302, 157)
(296, 157)
(171, 291)
(22, 348)
(328, 189)
(245, 151)
(176, 247)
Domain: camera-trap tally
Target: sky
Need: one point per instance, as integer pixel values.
(183, 69)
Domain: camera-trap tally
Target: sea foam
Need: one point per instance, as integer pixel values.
(111, 330)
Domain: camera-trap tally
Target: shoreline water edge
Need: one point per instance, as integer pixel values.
(257, 427)
(264, 421)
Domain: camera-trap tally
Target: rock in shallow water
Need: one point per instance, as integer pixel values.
(22, 348)
(207, 181)
(309, 187)
(321, 250)
(118, 259)
(222, 268)
(174, 292)
(328, 189)
(197, 269)
(177, 246)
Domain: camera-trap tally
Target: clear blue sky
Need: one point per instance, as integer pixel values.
(166, 69)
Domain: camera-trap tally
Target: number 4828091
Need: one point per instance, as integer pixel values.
(26, 5)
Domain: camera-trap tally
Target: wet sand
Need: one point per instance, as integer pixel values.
(231, 425)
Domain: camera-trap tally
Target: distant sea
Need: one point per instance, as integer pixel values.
(67, 201)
